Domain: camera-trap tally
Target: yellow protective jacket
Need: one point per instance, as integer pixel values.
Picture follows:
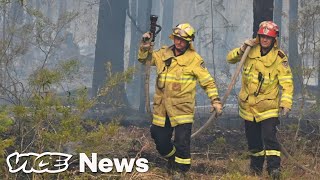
(275, 71)
(176, 85)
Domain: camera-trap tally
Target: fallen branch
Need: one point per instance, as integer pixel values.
(287, 155)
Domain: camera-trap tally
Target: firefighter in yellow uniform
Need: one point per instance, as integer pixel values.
(265, 69)
(178, 68)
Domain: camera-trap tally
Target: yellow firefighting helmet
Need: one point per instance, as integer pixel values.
(184, 31)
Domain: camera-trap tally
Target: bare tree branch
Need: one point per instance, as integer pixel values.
(134, 22)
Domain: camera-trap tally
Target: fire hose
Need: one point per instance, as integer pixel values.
(226, 95)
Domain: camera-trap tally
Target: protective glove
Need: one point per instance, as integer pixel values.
(284, 111)
(146, 44)
(248, 42)
(216, 106)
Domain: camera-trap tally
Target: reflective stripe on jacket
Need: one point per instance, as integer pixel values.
(275, 72)
(176, 84)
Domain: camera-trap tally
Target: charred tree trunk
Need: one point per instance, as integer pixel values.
(167, 22)
(62, 9)
(144, 11)
(277, 14)
(49, 9)
(110, 45)
(318, 81)
(133, 86)
(38, 4)
(4, 37)
(212, 37)
(262, 11)
(16, 13)
(294, 59)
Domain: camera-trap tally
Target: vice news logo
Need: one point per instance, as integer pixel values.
(55, 162)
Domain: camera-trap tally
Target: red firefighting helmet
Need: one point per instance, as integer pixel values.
(268, 28)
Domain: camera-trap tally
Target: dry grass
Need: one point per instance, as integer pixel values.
(216, 156)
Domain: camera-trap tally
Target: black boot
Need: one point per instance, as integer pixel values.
(170, 166)
(256, 166)
(179, 175)
(255, 171)
(275, 174)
